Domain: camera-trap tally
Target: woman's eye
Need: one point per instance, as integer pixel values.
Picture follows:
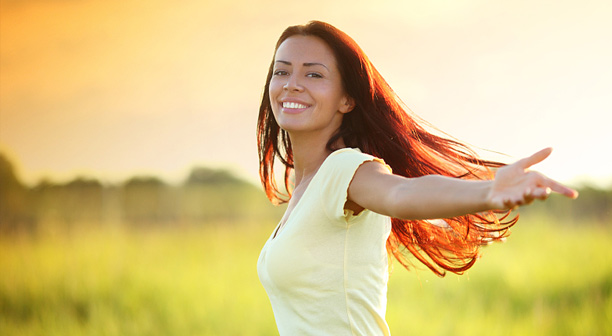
(314, 75)
(280, 73)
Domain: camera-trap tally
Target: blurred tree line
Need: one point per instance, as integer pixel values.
(206, 196)
(593, 205)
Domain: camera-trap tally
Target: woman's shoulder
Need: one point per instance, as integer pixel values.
(348, 157)
(348, 152)
(354, 153)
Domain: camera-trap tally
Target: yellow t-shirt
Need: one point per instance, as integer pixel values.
(325, 271)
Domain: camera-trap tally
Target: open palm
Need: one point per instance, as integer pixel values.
(516, 185)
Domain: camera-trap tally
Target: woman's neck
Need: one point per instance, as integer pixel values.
(308, 155)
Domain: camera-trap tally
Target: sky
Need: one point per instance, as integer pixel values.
(116, 88)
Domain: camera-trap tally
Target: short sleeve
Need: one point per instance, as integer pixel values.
(337, 173)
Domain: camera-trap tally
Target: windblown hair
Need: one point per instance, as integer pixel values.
(382, 126)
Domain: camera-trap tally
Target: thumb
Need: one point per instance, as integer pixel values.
(535, 158)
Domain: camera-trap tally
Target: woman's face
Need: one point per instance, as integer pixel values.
(306, 91)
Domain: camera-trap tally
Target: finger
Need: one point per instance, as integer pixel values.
(515, 201)
(509, 204)
(528, 196)
(541, 193)
(549, 185)
(561, 189)
(535, 158)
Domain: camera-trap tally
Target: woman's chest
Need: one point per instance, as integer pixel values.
(309, 249)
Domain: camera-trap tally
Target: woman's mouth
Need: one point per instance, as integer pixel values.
(293, 107)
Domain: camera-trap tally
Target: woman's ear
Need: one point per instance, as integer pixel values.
(348, 104)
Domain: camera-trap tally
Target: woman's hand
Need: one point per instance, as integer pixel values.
(516, 185)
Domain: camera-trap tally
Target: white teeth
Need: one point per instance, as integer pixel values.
(293, 105)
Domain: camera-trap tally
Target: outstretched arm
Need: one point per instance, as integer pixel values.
(434, 196)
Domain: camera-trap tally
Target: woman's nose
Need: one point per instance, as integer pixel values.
(292, 84)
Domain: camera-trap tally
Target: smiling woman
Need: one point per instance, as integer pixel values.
(306, 88)
(333, 121)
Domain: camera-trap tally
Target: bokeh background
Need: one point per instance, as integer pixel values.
(129, 202)
(113, 88)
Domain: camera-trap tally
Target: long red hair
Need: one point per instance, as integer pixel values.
(382, 126)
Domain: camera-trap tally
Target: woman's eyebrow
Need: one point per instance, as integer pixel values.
(308, 64)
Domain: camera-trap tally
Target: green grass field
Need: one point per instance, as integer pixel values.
(546, 279)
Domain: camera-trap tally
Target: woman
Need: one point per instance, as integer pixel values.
(367, 178)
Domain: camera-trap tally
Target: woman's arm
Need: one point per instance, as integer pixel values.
(434, 196)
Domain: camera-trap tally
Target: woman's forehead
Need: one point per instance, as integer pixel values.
(306, 49)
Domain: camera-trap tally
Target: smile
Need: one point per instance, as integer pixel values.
(292, 105)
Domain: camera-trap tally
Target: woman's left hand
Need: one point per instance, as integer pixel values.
(516, 185)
